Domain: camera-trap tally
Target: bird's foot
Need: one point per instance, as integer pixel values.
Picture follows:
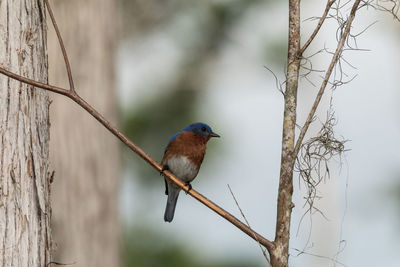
(190, 187)
(164, 168)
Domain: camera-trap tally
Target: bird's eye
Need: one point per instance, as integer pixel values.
(203, 129)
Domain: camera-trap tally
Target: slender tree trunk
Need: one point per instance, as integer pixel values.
(280, 255)
(25, 236)
(84, 155)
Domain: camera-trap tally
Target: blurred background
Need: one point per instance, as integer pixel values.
(153, 67)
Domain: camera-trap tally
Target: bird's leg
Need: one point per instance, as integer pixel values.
(165, 168)
(190, 187)
(166, 186)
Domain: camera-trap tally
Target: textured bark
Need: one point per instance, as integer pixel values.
(25, 236)
(280, 254)
(84, 155)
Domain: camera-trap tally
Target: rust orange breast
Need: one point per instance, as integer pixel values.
(188, 144)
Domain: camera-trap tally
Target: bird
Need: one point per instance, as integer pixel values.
(183, 157)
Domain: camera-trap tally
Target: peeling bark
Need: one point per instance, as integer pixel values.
(25, 236)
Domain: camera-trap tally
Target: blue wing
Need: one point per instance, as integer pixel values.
(170, 140)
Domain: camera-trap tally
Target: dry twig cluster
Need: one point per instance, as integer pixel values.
(313, 160)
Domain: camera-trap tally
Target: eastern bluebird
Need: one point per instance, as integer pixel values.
(183, 157)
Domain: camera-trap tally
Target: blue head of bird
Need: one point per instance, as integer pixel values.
(201, 129)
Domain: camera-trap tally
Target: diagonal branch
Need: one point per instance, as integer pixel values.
(64, 52)
(319, 25)
(217, 209)
(321, 91)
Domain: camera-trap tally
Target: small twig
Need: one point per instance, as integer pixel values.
(64, 52)
(319, 25)
(393, 10)
(59, 263)
(334, 60)
(318, 256)
(277, 82)
(248, 224)
(75, 97)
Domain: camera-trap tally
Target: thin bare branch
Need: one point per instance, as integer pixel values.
(319, 25)
(327, 76)
(59, 263)
(51, 88)
(64, 52)
(390, 6)
(300, 252)
(217, 209)
(277, 82)
(248, 224)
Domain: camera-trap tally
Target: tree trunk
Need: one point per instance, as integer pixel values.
(84, 155)
(25, 236)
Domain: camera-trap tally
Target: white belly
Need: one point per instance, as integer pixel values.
(183, 168)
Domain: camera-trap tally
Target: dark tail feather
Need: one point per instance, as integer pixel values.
(173, 194)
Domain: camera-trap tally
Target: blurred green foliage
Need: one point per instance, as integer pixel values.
(275, 52)
(144, 247)
(142, 16)
(169, 112)
(154, 121)
(394, 193)
(151, 123)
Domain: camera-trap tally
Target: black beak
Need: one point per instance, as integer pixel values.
(212, 134)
